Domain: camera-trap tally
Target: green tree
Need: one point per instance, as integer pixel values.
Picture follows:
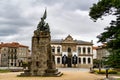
(95, 62)
(113, 59)
(111, 36)
(24, 64)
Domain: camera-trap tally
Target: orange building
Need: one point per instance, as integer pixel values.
(13, 54)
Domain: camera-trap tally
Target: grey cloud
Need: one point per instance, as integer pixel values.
(13, 15)
(78, 4)
(17, 23)
(11, 18)
(70, 4)
(19, 18)
(9, 10)
(75, 24)
(8, 31)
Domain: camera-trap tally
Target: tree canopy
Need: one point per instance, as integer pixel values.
(112, 32)
(111, 35)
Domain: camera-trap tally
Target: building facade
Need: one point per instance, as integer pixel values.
(95, 48)
(13, 54)
(72, 53)
(102, 52)
(0, 56)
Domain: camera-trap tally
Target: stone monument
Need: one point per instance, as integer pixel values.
(41, 62)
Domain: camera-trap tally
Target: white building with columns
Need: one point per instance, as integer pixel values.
(72, 53)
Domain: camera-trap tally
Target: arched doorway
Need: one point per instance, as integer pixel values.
(69, 59)
(69, 62)
(69, 50)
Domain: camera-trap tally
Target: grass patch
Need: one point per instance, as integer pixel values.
(4, 71)
(118, 79)
(118, 73)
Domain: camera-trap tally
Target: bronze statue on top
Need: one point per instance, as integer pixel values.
(42, 26)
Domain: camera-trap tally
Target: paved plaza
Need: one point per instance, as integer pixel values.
(69, 74)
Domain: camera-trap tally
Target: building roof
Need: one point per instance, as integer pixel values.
(69, 39)
(75, 41)
(83, 42)
(13, 44)
(56, 41)
(95, 47)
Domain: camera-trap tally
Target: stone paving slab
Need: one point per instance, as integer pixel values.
(68, 75)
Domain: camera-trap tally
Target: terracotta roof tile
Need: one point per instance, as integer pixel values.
(13, 44)
(95, 47)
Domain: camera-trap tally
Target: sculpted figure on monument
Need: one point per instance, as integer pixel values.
(47, 27)
(42, 26)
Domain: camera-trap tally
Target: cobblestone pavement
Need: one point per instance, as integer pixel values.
(68, 74)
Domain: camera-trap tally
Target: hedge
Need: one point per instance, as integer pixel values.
(104, 71)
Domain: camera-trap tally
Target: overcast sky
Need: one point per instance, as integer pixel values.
(19, 18)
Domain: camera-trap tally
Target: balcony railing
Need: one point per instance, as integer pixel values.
(85, 55)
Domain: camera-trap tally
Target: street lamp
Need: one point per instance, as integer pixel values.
(107, 73)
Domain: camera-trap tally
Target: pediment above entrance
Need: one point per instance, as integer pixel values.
(68, 39)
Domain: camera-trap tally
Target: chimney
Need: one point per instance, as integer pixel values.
(91, 41)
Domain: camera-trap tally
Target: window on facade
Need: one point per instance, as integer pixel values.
(20, 63)
(58, 49)
(11, 64)
(88, 49)
(79, 49)
(84, 50)
(12, 50)
(89, 60)
(58, 60)
(15, 56)
(69, 49)
(4, 54)
(4, 49)
(79, 60)
(8, 50)
(84, 60)
(15, 50)
(11, 56)
(53, 49)
(15, 64)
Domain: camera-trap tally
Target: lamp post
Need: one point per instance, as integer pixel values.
(107, 72)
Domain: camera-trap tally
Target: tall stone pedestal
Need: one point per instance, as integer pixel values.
(41, 63)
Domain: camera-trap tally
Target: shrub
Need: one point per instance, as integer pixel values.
(110, 71)
(102, 72)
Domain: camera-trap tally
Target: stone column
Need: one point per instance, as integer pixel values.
(81, 60)
(86, 60)
(81, 50)
(86, 50)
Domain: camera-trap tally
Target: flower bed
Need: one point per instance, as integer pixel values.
(104, 71)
